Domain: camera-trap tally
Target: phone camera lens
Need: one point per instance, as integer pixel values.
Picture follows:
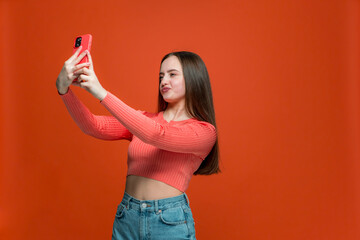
(78, 42)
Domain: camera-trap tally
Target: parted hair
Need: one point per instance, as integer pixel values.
(198, 101)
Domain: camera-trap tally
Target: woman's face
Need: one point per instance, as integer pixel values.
(172, 83)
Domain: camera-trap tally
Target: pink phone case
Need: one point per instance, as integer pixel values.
(85, 41)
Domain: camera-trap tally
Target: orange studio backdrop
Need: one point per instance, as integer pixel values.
(285, 79)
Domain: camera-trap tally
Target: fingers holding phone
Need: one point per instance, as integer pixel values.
(67, 76)
(75, 54)
(78, 60)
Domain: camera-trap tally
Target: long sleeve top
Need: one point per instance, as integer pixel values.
(169, 152)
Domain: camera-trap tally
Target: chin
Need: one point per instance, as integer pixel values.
(168, 100)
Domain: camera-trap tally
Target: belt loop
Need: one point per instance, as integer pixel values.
(187, 199)
(128, 202)
(156, 206)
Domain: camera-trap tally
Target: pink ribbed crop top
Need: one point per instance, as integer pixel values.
(169, 152)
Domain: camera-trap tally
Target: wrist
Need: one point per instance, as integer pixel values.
(63, 91)
(102, 95)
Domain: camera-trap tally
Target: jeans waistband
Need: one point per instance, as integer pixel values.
(154, 205)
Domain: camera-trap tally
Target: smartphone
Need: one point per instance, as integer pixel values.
(84, 41)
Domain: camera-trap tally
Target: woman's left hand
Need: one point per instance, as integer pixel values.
(88, 80)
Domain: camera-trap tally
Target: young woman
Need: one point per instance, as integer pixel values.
(166, 147)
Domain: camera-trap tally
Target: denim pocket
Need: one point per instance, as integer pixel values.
(173, 216)
(120, 211)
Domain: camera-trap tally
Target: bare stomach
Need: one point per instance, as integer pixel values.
(143, 188)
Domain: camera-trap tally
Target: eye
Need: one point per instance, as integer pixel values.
(172, 74)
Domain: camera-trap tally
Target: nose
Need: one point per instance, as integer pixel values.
(164, 81)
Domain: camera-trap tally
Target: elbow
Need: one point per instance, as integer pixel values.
(92, 134)
(90, 129)
(87, 131)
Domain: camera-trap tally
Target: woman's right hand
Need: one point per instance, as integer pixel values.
(66, 76)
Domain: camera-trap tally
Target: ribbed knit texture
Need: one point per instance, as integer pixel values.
(169, 152)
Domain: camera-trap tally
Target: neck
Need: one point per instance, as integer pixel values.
(176, 112)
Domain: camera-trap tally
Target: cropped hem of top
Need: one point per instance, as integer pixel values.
(169, 152)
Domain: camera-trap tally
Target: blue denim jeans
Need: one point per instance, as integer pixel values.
(167, 218)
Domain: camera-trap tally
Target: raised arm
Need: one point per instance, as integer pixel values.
(194, 137)
(102, 127)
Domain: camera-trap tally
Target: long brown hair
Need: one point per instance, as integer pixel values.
(198, 101)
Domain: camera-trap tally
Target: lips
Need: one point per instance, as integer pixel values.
(165, 89)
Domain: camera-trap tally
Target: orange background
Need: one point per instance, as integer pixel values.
(285, 78)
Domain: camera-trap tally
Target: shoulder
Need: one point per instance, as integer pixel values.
(198, 127)
(201, 124)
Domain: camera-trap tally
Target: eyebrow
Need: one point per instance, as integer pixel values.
(170, 71)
